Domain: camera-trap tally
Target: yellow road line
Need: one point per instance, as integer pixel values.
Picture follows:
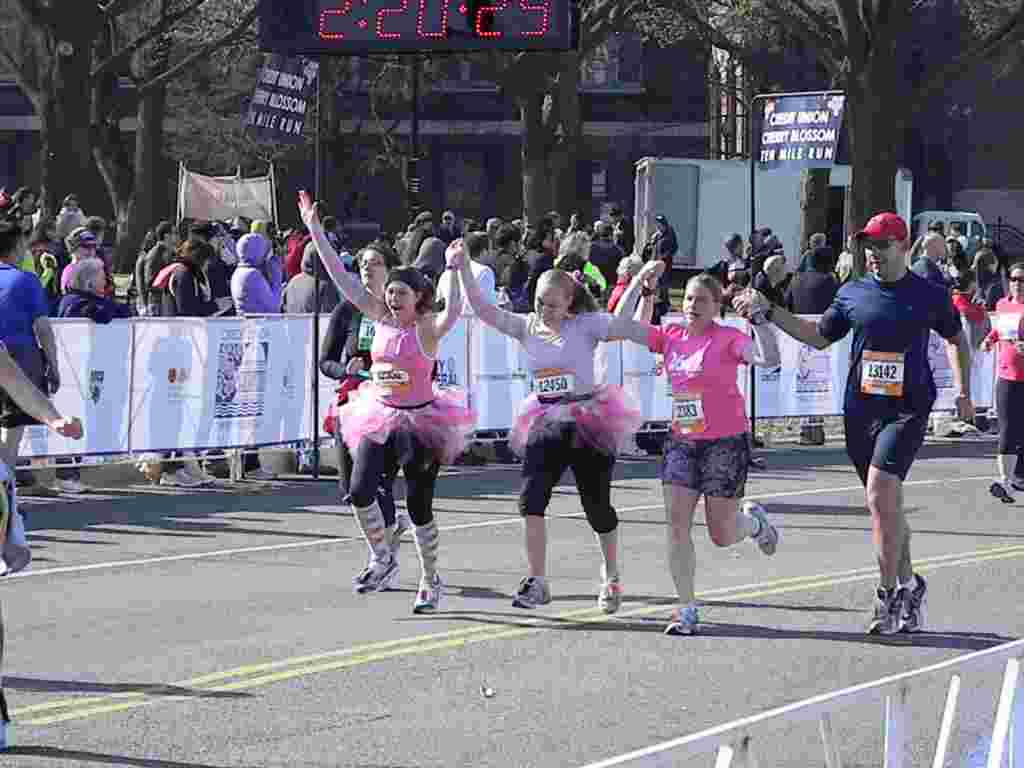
(329, 661)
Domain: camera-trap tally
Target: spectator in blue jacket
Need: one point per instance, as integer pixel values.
(256, 284)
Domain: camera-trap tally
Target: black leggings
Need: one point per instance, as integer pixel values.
(545, 461)
(385, 487)
(1010, 407)
(374, 461)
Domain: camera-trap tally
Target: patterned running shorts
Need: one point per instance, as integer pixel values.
(715, 467)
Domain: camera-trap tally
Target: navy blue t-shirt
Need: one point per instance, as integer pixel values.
(887, 318)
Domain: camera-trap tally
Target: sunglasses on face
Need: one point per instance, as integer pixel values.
(877, 245)
(1019, 279)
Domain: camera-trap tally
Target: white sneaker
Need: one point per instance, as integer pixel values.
(260, 474)
(180, 479)
(70, 486)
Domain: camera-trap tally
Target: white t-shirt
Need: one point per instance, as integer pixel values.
(484, 278)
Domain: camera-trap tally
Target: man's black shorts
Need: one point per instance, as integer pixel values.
(888, 440)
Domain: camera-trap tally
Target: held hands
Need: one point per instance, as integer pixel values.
(455, 254)
(70, 428)
(986, 345)
(307, 209)
(965, 409)
(355, 365)
(749, 303)
(651, 272)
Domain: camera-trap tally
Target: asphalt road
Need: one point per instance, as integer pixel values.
(218, 628)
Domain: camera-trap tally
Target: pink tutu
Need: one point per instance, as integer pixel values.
(606, 421)
(443, 425)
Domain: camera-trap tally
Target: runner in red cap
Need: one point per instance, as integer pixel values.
(889, 393)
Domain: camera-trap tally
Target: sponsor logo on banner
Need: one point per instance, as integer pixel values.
(241, 379)
(448, 373)
(95, 386)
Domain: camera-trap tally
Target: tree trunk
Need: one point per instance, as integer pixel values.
(566, 156)
(536, 156)
(66, 159)
(813, 204)
(875, 131)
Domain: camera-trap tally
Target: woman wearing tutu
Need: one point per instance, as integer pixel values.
(398, 418)
(566, 421)
(345, 357)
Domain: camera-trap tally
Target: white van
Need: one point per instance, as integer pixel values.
(972, 226)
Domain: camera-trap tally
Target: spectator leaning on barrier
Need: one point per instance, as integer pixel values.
(256, 284)
(149, 300)
(26, 332)
(628, 268)
(184, 287)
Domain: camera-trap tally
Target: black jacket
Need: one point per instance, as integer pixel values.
(811, 293)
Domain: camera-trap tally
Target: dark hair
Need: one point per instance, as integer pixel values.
(734, 241)
(190, 251)
(95, 225)
(10, 236)
(476, 244)
(391, 260)
(163, 229)
(418, 282)
(966, 279)
(507, 234)
(823, 258)
(543, 230)
(329, 222)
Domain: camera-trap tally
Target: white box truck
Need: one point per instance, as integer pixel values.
(708, 200)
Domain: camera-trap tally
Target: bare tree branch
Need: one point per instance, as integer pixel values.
(238, 31)
(33, 94)
(36, 12)
(121, 57)
(117, 7)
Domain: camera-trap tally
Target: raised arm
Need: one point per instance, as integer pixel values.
(506, 322)
(446, 319)
(348, 283)
(750, 304)
(624, 326)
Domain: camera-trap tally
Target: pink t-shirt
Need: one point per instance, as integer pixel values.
(702, 371)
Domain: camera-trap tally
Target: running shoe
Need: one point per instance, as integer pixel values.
(403, 523)
(999, 491)
(684, 621)
(888, 609)
(533, 591)
(912, 617)
(376, 577)
(609, 599)
(767, 537)
(428, 598)
(180, 479)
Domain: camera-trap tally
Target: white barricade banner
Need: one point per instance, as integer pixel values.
(95, 369)
(643, 377)
(810, 381)
(327, 387)
(982, 375)
(498, 377)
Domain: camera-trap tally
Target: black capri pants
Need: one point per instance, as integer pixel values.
(385, 486)
(1010, 407)
(373, 461)
(545, 460)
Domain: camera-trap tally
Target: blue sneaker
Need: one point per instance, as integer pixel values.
(684, 621)
(767, 537)
(428, 598)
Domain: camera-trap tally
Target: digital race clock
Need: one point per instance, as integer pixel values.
(406, 26)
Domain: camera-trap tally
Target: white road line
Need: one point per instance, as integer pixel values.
(448, 528)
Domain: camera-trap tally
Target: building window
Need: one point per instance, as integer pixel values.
(598, 181)
(617, 65)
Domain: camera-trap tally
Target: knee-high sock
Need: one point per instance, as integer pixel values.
(682, 562)
(427, 539)
(378, 539)
(609, 553)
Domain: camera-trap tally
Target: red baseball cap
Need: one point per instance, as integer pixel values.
(884, 226)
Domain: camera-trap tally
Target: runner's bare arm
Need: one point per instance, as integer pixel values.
(348, 283)
(625, 327)
(446, 319)
(507, 323)
(750, 303)
(30, 399)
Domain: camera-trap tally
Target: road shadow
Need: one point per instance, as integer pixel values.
(38, 685)
(81, 756)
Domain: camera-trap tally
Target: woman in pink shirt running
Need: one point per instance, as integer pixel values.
(707, 451)
(398, 418)
(1008, 326)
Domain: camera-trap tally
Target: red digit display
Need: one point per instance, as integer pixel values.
(421, 21)
(542, 21)
(415, 26)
